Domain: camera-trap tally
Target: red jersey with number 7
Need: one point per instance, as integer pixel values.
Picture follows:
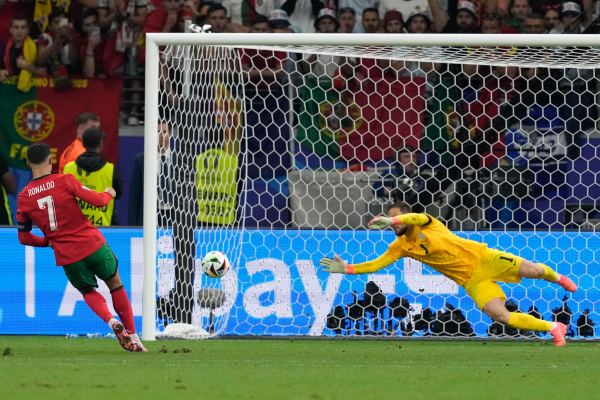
(50, 202)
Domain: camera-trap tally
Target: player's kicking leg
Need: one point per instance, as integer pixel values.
(103, 264)
(125, 332)
(497, 311)
(528, 269)
(97, 303)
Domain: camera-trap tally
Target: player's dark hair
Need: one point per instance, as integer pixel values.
(38, 153)
(85, 117)
(404, 207)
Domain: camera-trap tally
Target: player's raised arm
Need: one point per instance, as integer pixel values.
(337, 265)
(415, 219)
(89, 196)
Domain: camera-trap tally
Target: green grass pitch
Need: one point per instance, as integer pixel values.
(58, 368)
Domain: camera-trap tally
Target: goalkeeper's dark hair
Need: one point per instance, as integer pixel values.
(404, 207)
(38, 153)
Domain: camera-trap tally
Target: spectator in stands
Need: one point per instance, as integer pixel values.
(519, 10)
(370, 20)
(439, 15)
(490, 23)
(195, 9)
(244, 12)
(397, 68)
(8, 11)
(217, 18)
(406, 181)
(165, 193)
(418, 22)
(8, 185)
(57, 50)
(534, 23)
(466, 19)
(323, 65)
(127, 18)
(262, 66)
(393, 22)
(84, 121)
(553, 22)
(303, 13)
(358, 6)
(18, 55)
(326, 21)
(124, 16)
(96, 174)
(571, 17)
(164, 17)
(347, 20)
(260, 24)
(97, 50)
(279, 21)
(91, 47)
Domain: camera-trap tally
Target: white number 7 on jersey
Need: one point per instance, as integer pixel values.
(48, 201)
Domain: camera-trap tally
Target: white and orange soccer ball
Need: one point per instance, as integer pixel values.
(215, 264)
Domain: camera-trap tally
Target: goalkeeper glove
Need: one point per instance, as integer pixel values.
(335, 265)
(379, 223)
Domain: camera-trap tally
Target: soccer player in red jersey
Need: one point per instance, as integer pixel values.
(50, 202)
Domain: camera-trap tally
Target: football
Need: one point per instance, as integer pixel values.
(215, 264)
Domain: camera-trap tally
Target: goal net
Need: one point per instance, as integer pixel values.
(277, 150)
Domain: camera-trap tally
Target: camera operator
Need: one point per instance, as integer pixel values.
(408, 181)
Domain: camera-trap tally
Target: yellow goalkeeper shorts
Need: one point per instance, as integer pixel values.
(495, 266)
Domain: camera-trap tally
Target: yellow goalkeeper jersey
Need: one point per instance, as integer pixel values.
(434, 245)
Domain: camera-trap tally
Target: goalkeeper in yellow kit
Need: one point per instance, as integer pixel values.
(470, 264)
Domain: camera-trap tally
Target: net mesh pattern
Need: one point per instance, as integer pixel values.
(279, 156)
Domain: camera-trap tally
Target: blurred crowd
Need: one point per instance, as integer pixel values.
(97, 38)
(104, 38)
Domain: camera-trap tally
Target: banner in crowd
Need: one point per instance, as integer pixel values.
(460, 120)
(45, 114)
(361, 121)
(276, 287)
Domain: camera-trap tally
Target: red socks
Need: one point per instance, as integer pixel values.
(122, 306)
(120, 303)
(98, 305)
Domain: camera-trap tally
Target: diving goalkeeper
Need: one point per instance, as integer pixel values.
(470, 264)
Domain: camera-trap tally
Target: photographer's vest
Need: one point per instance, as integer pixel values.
(97, 181)
(4, 206)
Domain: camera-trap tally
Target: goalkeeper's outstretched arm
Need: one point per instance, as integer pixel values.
(415, 219)
(337, 265)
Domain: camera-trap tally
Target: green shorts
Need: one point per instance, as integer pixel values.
(102, 264)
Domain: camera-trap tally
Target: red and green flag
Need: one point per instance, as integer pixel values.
(45, 114)
(360, 122)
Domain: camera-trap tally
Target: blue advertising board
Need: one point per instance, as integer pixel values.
(277, 288)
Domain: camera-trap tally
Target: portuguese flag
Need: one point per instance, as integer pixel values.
(459, 118)
(44, 114)
(360, 121)
(324, 118)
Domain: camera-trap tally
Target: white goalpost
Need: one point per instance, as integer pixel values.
(276, 149)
